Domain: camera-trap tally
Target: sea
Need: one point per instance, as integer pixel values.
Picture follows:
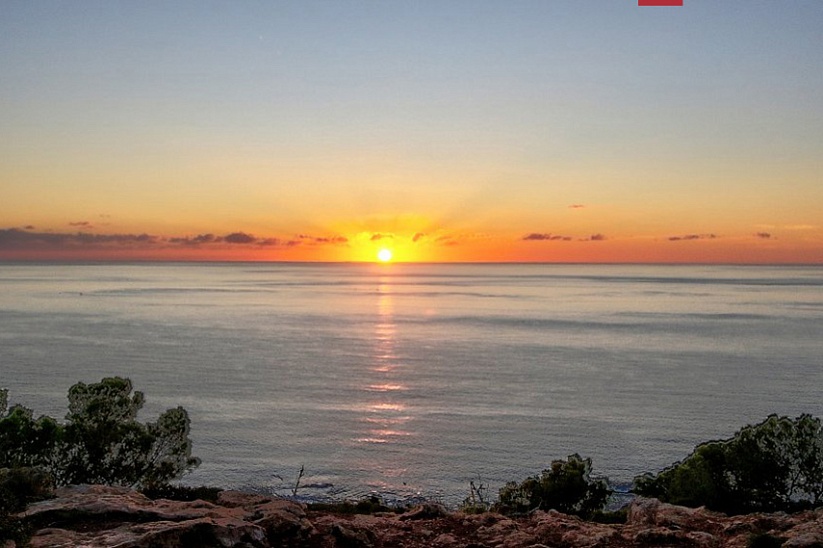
(411, 381)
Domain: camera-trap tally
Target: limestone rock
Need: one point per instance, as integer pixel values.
(425, 511)
(97, 517)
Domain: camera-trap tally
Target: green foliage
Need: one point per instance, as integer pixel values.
(101, 440)
(367, 505)
(478, 500)
(613, 516)
(26, 441)
(774, 465)
(566, 487)
(18, 487)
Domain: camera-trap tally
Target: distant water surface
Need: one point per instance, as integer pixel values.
(412, 380)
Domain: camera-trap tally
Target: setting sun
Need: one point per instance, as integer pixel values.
(384, 255)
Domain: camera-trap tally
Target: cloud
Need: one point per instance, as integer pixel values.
(25, 239)
(83, 224)
(538, 237)
(597, 237)
(687, 237)
(332, 240)
(763, 235)
(378, 236)
(577, 206)
(14, 238)
(418, 236)
(323, 239)
(28, 227)
(196, 241)
(239, 238)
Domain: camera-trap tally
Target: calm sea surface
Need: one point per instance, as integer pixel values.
(416, 379)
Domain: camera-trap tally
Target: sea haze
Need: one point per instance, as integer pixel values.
(415, 379)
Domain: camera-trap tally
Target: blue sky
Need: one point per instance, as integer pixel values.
(463, 117)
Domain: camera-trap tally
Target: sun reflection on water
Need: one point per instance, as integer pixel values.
(384, 415)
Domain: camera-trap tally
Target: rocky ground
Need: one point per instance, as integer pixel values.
(98, 516)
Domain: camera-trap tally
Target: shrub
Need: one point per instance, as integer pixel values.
(367, 505)
(18, 487)
(774, 465)
(566, 487)
(478, 500)
(101, 440)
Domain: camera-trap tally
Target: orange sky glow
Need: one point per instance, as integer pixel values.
(604, 133)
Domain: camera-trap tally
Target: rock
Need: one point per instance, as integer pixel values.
(805, 540)
(239, 499)
(95, 515)
(643, 511)
(446, 540)
(98, 517)
(346, 537)
(206, 532)
(283, 519)
(425, 511)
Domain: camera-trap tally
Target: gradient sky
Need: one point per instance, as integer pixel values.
(550, 130)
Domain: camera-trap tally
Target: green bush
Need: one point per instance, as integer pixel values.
(478, 500)
(566, 487)
(101, 440)
(774, 465)
(367, 505)
(18, 487)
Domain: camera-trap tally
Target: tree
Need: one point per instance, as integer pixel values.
(101, 441)
(774, 465)
(566, 487)
(24, 440)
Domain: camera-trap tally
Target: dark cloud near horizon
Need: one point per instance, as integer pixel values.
(196, 241)
(763, 235)
(577, 206)
(688, 237)
(418, 236)
(14, 238)
(324, 239)
(543, 237)
(597, 238)
(378, 236)
(239, 238)
(83, 224)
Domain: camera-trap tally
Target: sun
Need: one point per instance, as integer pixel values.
(384, 255)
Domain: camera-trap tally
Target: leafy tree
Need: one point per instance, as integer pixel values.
(774, 465)
(24, 440)
(101, 440)
(567, 487)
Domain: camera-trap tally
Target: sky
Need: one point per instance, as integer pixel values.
(550, 131)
